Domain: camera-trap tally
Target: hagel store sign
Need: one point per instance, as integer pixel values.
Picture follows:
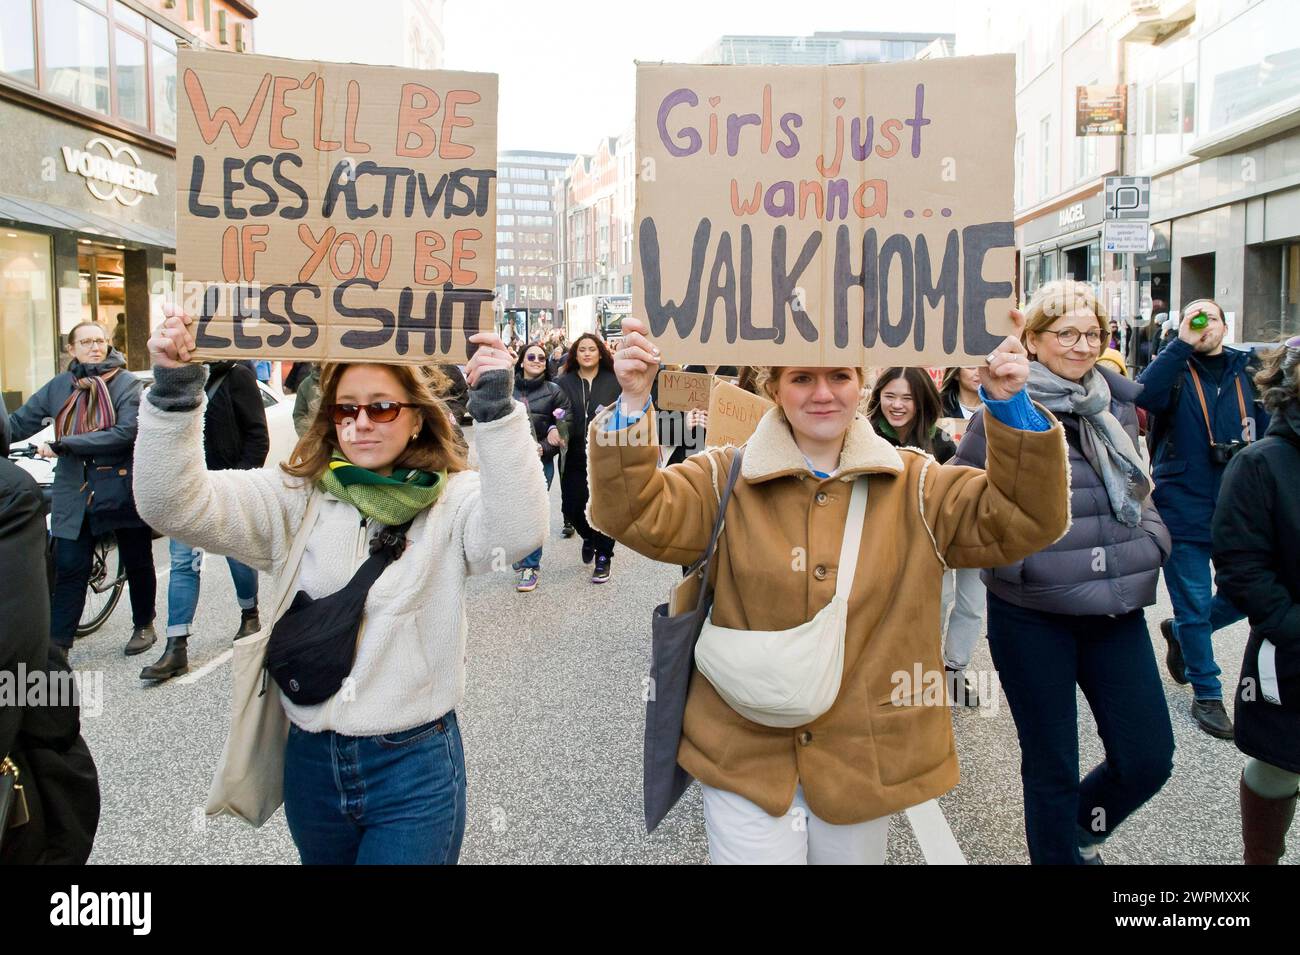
(107, 175)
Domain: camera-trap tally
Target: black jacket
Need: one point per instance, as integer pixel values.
(585, 398)
(940, 445)
(542, 398)
(1257, 567)
(235, 436)
(56, 771)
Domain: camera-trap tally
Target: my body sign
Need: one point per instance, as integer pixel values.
(841, 215)
(335, 212)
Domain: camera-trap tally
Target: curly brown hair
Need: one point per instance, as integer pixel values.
(1278, 379)
(437, 446)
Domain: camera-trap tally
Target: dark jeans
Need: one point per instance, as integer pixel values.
(72, 560)
(574, 504)
(1198, 612)
(397, 799)
(1040, 657)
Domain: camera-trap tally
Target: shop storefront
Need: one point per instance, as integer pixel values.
(1064, 243)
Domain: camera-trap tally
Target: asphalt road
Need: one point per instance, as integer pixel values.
(552, 723)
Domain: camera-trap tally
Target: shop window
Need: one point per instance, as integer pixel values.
(17, 43)
(28, 356)
(76, 54)
(1272, 299)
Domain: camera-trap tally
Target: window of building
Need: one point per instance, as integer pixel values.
(1249, 64)
(505, 237)
(76, 54)
(130, 77)
(28, 352)
(164, 84)
(18, 41)
(1045, 157)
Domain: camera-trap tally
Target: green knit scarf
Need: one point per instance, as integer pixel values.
(389, 500)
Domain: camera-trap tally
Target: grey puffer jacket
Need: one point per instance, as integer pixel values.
(1100, 566)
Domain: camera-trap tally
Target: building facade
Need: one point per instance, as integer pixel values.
(528, 252)
(1213, 118)
(396, 32)
(822, 49)
(87, 206)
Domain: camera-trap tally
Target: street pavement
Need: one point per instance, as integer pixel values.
(552, 722)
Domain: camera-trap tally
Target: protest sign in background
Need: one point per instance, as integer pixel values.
(842, 215)
(683, 391)
(334, 211)
(733, 415)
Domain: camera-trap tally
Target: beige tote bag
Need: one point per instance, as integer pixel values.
(249, 782)
(786, 678)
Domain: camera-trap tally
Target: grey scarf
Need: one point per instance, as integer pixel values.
(1104, 442)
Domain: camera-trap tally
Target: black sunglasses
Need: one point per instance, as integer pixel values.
(535, 357)
(380, 412)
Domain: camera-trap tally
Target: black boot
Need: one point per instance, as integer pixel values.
(249, 624)
(173, 662)
(142, 638)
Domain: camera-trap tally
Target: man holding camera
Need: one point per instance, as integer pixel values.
(1204, 402)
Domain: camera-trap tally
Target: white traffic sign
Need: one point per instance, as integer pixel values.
(1126, 236)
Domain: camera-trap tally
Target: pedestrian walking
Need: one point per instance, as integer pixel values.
(813, 787)
(1204, 404)
(235, 436)
(376, 772)
(548, 411)
(94, 407)
(1071, 614)
(590, 384)
(904, 408)
(1256, 525)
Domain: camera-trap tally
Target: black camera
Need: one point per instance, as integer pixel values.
(1221, 452)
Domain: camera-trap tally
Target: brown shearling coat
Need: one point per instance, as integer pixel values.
(776, 566)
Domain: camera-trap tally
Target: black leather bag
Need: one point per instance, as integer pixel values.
(313, 645)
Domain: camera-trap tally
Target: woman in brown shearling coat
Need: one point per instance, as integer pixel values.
(883, 745)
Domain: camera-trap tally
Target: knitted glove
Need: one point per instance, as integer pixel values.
(493, 396)
(177, 389)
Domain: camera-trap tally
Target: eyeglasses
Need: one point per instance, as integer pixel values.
(88, 342)
(379, 412)
(535, 357)
(1069, 337)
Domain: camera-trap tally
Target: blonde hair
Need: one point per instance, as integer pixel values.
(1058, 298)
(436, 446)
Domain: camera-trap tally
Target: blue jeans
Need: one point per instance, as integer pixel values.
(1040, 658)
(1198, 612)
(396, 799)
(183, 586)
(534, 560)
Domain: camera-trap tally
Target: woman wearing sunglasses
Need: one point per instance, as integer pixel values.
(376, 773)
(548, 410)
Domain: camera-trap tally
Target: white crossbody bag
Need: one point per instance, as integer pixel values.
(786, 678)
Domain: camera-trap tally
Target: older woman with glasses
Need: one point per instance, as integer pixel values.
(1071, 615)
(548, 412)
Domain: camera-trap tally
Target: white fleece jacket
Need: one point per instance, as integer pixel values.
(410, 663)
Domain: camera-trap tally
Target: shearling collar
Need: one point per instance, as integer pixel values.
(771, 452)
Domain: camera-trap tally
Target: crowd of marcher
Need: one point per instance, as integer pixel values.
(1044, 491)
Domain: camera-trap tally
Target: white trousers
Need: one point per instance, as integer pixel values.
(964, 592)
(740, 833)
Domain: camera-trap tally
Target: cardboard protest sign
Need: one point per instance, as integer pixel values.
(683, 390)
(954, 428)
(733, 415)
(330, 211)
(841, 215)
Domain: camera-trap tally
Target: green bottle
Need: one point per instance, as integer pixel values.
(1200, 320)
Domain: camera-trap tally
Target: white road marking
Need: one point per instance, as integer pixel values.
(215, 663)
(937, 842)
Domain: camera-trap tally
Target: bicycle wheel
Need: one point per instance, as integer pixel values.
(104, 591)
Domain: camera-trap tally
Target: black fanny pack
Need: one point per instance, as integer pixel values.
(313, 646)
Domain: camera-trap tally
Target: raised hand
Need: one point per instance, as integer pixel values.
(491, 354)
(1006, 368)
(171, 342)
(636, 362)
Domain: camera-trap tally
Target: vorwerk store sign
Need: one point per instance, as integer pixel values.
(107, 176)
